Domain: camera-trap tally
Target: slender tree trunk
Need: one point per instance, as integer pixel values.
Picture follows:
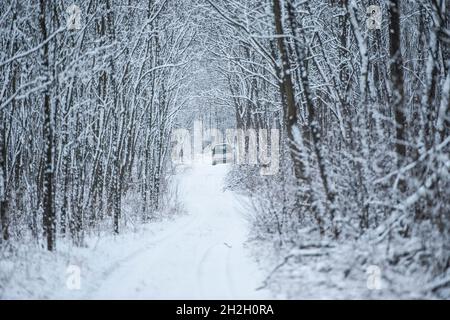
(288, 94)
(396, 68)
(313, 122)
(49, 214)
(3, 196)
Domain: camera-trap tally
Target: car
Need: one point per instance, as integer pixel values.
(222, 153)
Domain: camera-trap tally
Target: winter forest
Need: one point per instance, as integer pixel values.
(99, 200)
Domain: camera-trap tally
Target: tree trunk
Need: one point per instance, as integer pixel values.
(396, 68)
(49, 214)
(288, 96)
(3, 196)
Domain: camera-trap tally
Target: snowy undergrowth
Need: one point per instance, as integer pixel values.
(299, 263)
(342, 270)
(29, 271)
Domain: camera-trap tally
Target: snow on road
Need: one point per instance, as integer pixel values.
(198, 256)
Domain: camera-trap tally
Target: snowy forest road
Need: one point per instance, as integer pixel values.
(201, 256)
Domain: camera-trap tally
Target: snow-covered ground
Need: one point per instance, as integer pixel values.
(199, 255)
